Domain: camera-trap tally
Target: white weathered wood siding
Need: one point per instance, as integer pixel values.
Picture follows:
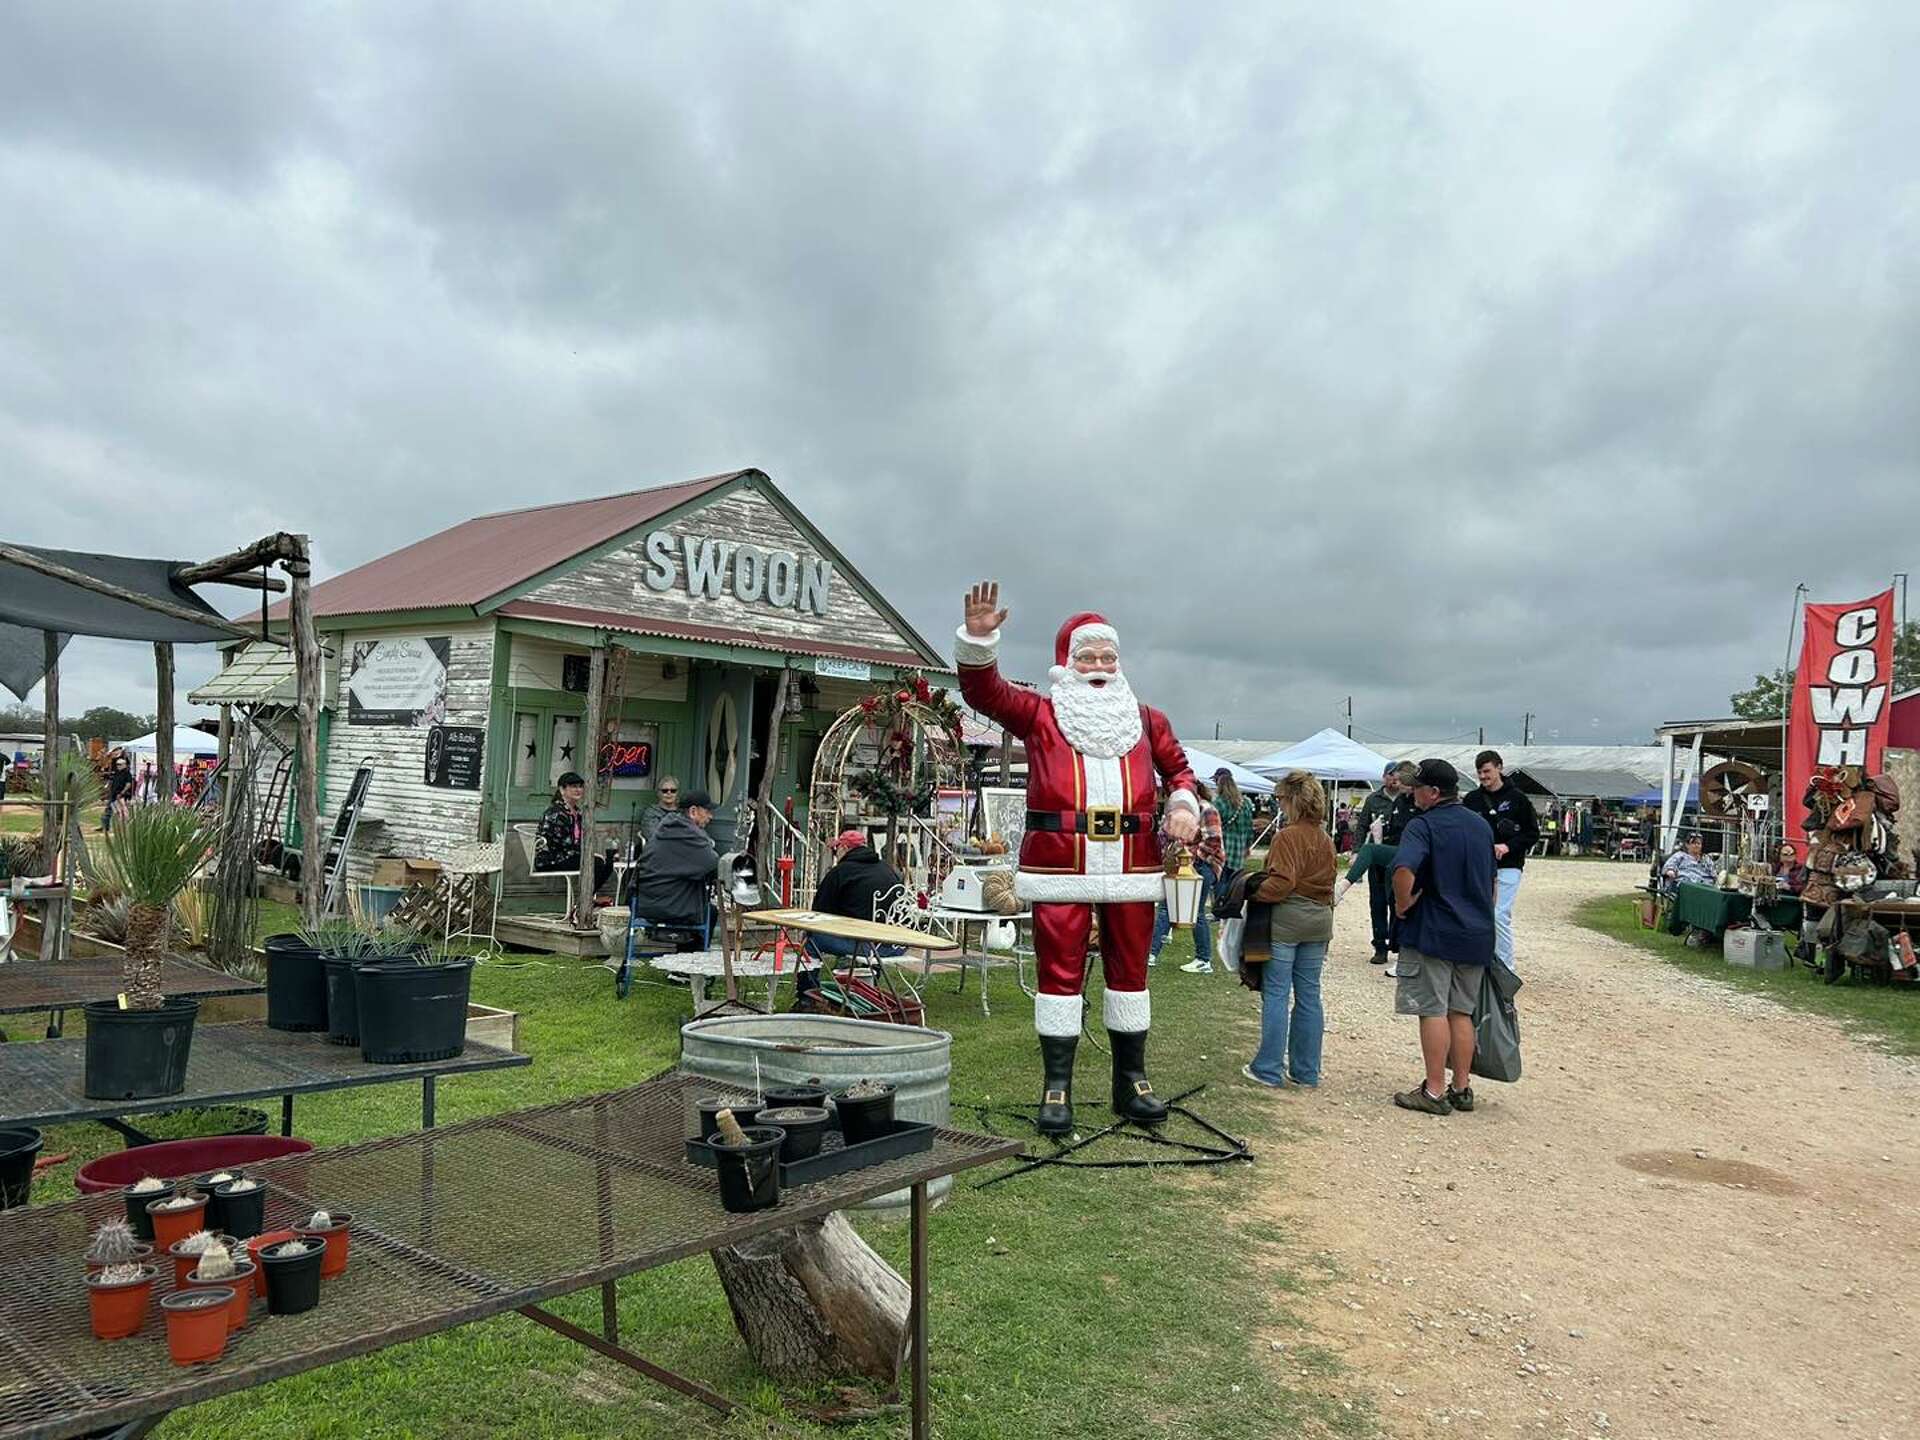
(616, 582)
(420, 819)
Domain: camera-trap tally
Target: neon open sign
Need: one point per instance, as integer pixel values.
(626, 759)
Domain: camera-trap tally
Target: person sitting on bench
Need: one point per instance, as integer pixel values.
(859, 877)
(556, 847)
(675, 874)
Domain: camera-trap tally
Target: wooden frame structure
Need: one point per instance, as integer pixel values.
(292, 554)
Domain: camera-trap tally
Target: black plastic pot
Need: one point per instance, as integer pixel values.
(343, 999)
(19, 1148)
(865, 1119)
(810, 1095)
(136, 1205)
(296, 985)
(293, 1281)
(806, 1127)
(137, 1054)
(241, 1214)
(750, 1173)
(710, 1106)
(410, 1011)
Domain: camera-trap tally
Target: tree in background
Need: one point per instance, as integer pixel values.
(1763, 699)
(102, 722)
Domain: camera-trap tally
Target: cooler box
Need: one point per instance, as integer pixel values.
(1756, 949)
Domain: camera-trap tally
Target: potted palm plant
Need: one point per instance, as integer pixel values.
(137, 1045)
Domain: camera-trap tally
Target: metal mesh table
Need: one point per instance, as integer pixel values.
(28, 985)
(450, 1226)
(41, 1083)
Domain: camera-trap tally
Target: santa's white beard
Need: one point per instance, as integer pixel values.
(1098, 720)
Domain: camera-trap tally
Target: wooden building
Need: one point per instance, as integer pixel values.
(700, 621)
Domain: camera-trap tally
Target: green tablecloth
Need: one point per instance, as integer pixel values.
(1714, 911)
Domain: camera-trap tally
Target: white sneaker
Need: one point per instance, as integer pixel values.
(1198, 967)
(1152, 961)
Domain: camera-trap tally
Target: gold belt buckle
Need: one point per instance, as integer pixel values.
(1103, 822)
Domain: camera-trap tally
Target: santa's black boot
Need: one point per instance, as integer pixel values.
(1056, 1098)
(1133, 1097)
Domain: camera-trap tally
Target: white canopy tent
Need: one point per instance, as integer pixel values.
(1326, 756)
(186, 741)
(1205, 763)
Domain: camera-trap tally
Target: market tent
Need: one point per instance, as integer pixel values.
(1651, 796)
(1205, 763)
(186, 741)
(1326, 756)
(1584, 784)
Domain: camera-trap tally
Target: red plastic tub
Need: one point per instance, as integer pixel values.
(172, 1159)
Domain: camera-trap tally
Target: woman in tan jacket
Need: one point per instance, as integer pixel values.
(1298, 885)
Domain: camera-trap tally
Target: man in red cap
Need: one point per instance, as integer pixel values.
(1095, 757)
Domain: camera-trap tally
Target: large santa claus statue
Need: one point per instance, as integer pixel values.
(1095, 759)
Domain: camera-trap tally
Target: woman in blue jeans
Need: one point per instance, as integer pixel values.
(1288, 926)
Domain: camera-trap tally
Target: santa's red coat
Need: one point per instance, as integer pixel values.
(1063, 867)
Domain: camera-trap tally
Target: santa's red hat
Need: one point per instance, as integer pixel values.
(1081, 628)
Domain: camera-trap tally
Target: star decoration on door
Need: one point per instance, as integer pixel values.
(566, 751)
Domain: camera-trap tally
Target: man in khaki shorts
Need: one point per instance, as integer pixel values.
(1444, 886)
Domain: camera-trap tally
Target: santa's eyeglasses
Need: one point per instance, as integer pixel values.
(1096, 657)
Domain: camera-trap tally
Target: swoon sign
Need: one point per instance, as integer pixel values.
(780, 578)
(1840, 708)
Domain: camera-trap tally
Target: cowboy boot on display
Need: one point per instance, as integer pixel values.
(1133, 1097)
(1056, 1099)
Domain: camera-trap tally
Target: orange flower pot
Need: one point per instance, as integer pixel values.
(184, 1263)
(197, 1323)
(255, 1246)
(170, 1227)
(338, 1237)
(241, 1283)
(118, 1311)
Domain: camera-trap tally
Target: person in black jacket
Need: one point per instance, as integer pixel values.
(675, 874)
(1390, 808)
(121, 784)
(1516, 826)
(556, 845)
(858, 879)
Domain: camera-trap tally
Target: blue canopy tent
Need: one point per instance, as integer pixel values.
(1651, 796)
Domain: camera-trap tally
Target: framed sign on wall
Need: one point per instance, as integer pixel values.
(398, 682)
(455, 756)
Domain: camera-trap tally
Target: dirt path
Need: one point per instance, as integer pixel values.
(1698, 1214)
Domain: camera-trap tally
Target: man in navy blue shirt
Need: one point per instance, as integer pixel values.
(1444, 888)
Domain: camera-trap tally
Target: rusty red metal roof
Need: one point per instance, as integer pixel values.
(719, 634)
(477, 560)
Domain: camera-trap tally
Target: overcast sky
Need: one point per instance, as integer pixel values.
(1467, 359)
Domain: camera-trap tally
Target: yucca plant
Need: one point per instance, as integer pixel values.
(154, 851)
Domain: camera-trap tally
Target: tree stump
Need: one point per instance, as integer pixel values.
(814, 1302)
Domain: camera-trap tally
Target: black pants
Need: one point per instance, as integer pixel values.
(1379, 903)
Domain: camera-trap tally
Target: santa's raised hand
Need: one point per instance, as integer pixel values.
(984, 615)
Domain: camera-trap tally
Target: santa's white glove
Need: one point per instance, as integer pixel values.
(1340, 888)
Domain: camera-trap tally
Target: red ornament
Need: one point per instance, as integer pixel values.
(922, 690)
(870, 704)
(903, 697)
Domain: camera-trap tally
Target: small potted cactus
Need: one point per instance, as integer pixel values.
(747, 1160)
(114, 1243)
(186, 1252)
(866, 1110)
(176, 1217)
(229, 1267)
(137, 1197)
(238, 1205)
(117, 1299)
(197, 1323)
(335, 1228)
(293, 1274)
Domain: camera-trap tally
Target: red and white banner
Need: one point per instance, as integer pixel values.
(1842, 695)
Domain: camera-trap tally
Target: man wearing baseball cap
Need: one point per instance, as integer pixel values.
(1443, 890)
(859, 878)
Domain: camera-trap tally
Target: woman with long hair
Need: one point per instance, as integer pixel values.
(1236, 819)
(1297, 890)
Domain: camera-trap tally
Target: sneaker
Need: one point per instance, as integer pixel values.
(1152, 961)
(1392, 972)
(1460, 1099)
(1246, 1072)
(1198, 967)
(1418, 1099)
(1379, 958)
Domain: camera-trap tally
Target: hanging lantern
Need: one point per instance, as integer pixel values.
(1182, 884)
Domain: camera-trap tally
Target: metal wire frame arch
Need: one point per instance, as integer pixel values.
(934, 746)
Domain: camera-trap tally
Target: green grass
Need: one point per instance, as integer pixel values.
(1066, 1303)
(1890, 1014)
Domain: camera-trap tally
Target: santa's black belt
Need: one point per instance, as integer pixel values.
(1099, 822)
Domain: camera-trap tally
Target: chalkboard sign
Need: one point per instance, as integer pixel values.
(454, 756)
(576, 673)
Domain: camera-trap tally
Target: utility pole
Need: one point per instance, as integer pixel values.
(1483, 735)
(1349, 717)
(1526, 730)
(1216, 729)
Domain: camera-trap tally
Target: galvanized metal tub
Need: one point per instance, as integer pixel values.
(773, 1050)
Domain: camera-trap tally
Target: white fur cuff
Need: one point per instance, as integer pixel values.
(1186, 798)
(1057, 1014)
(1128, 1011)
(968, 650)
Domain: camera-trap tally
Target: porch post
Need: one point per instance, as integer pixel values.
(589, 755)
